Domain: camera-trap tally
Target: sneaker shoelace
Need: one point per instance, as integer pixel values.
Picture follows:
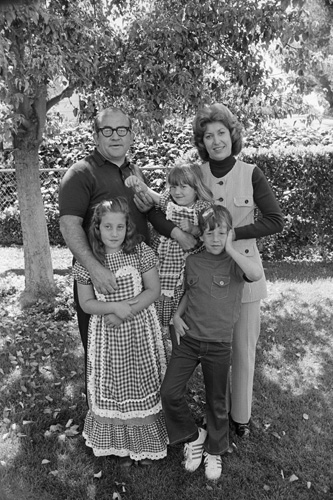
(213, 460)
(193, 451)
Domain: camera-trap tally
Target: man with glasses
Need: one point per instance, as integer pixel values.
(98, 177)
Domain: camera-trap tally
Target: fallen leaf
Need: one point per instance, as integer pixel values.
(116, 496)
(45, 461)
(98, 474)
(275, 434)
(282, 474)
(293, 478)
(305, 416)
(71, 431)
(266, 488)
(308, 484)
(56, 428)
(26, 422)
(69, 423)
(54, 472)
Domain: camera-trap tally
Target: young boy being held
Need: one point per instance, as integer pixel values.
(204, 323)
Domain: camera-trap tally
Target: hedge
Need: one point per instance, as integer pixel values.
(301, 178)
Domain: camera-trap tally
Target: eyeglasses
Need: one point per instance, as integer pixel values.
(108, 131)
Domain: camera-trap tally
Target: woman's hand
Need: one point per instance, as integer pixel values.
(143, 202)
(185, 240)
(188, 227)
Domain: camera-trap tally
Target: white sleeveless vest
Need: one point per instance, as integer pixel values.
(235, 192)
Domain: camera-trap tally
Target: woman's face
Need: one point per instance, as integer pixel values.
(217, 141)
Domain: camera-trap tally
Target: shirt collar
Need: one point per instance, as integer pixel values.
(100, 160)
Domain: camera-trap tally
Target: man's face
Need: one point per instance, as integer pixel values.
(114, 148)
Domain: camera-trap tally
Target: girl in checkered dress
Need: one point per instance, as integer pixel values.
(125, 360)
(182, 201)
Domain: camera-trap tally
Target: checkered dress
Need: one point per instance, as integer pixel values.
(124, 368)
(171, 257)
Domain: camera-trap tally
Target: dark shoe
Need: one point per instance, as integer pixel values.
(125, 461)
(242, 430)
(146, 462)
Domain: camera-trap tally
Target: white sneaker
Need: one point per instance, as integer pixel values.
(193, 452)
(213, 466)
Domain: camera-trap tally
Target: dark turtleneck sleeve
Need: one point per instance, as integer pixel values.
(270, 220)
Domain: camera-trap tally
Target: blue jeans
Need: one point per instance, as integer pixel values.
(215, 360)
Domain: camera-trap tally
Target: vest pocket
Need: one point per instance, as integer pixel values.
(220, 286)
(244, 201)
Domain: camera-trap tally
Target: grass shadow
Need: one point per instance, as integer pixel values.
(42, 383)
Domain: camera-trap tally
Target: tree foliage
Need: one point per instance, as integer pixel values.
(174, 56)
(157, 57)
(306, 47)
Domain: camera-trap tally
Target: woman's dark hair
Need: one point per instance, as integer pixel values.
(216, 113)
(213, 216)
(115, 205)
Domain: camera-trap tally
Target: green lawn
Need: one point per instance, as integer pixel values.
(289, 453)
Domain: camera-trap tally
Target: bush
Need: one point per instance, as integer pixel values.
(300, 176)
(302, 180)
(10, 226)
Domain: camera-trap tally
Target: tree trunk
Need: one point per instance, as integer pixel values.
(39, 281)
(326, 84)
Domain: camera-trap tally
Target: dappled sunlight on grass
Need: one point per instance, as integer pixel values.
(42, 384)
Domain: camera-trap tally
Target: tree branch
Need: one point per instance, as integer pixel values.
(67, 92)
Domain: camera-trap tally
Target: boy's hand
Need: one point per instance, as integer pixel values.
(228, 244)
(180, 327)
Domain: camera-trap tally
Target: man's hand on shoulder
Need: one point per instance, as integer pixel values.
(103, 279)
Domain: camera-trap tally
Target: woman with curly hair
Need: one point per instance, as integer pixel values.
(241, 188)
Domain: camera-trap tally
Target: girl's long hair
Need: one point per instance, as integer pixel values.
(190, 173)
(115, 205)
(213, 216)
